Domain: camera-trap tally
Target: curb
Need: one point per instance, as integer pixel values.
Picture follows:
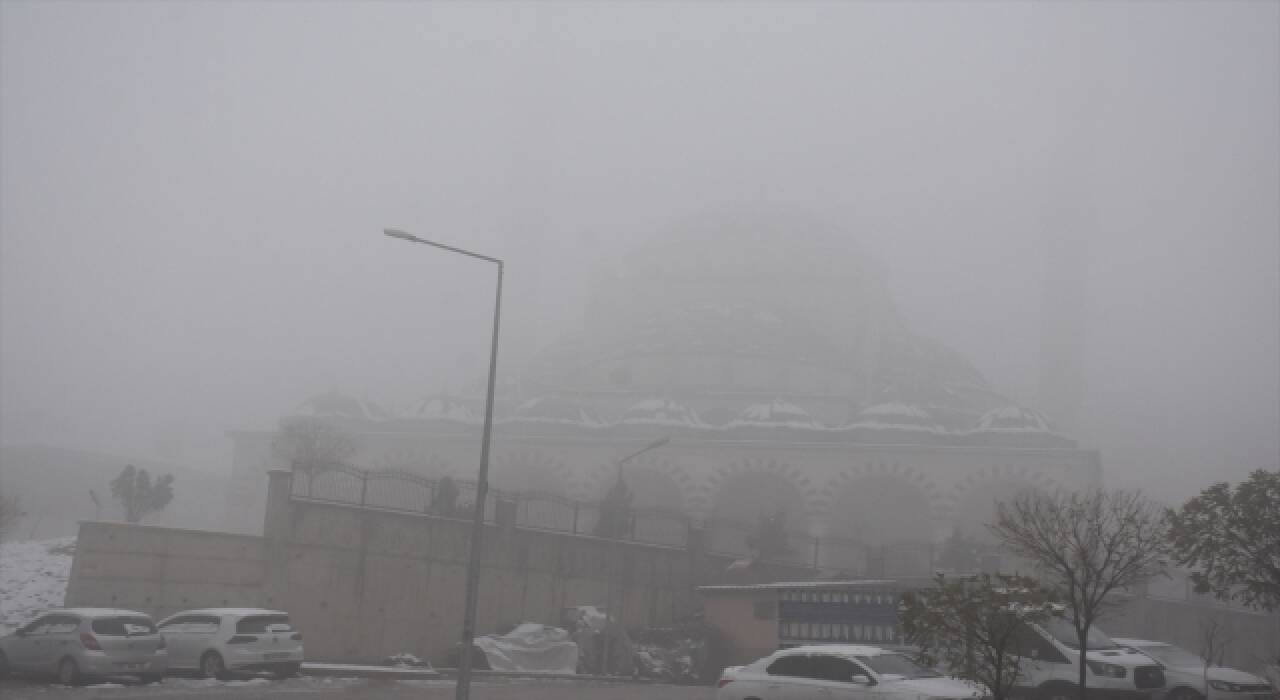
(362, 671)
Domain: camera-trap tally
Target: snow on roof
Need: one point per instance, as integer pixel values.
(776, 413)
(229, 612)
(445, 408)
(665, 412)
(896, 415)
(858, 583)
(1012, 418)
(555, 410)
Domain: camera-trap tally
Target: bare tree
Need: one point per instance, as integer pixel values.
(1090, 544)
(1213, 646)
(10, 513)
(312, 445)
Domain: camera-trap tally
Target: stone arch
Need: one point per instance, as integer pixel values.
(748, 490)
(880, 508)
(530, 470)
(702, 497)
(892, 469)
(972, 503)
(654, 482)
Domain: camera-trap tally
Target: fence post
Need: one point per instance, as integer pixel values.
(575, 517)
(817, 542)
(633, 525)
(364, 486)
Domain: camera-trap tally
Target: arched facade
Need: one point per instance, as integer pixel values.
(785, 384)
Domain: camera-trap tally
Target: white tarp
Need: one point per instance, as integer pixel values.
(531, 647)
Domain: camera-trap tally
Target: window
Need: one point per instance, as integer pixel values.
(834, 668)
(898, 665)
(263, 624)
(53, 624)
(174, 623)
(123, 626)
(1028, 642)
(203, 624)
(795, 665)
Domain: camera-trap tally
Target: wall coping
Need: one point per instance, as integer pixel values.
(687, 441)
(110, 524)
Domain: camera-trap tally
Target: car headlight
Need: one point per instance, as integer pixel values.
(1223, 685)
(1101, 668)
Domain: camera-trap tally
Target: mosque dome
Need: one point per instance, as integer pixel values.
(337, 405)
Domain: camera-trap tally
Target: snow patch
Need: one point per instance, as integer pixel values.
(33, 577)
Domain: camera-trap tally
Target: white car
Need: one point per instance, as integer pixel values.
(836, 671)
(1185, 675)
(219, 641)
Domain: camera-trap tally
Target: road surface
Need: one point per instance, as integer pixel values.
(308, 688)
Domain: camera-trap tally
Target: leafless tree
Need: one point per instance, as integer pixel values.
(1213, 646)
(312, 445)
(10, 513)
(1089, 544)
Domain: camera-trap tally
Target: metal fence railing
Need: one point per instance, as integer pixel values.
(413, 493)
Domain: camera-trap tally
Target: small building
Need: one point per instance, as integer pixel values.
(760, 618)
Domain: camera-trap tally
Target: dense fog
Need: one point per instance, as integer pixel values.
(192, 199)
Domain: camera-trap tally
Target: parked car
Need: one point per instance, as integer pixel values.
(835, 671)
(1186, 677)
(77, 644)
(1052, 657)
(217, 642)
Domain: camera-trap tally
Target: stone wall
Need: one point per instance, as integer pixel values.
(163, 570)
(363, 583)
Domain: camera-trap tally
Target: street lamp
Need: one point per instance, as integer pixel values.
(617, 557)
(463, 689)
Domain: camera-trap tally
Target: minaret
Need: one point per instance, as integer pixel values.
(1066, 234)
(1070, 226)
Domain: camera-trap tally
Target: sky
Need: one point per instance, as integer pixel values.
(192, 194)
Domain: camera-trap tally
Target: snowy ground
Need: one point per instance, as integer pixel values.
(33, 576)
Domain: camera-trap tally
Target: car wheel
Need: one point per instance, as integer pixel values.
(288, 670)
(1185, 694)
(211, 666)
(69, 673)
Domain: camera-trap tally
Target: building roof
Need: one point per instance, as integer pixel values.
(779, 585)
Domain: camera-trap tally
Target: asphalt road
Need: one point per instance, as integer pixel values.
(323, 688)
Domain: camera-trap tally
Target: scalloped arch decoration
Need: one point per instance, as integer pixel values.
(879, 468)
(701, 497)
(597, 480)
(1033, 477)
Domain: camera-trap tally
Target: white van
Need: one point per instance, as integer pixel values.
(1051, 663)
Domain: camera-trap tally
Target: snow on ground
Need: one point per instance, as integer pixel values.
(33, 576)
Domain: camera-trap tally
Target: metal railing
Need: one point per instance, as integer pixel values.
(406, 492)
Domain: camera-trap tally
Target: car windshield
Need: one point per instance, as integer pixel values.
(123, 626)
(1170, 655)
(1061, 629)
(897, 665)
(263, 624)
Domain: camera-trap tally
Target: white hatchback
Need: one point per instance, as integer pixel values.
(836, 671)
(217, 642)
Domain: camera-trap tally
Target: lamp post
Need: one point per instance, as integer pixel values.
(617, 557)
(463, 689)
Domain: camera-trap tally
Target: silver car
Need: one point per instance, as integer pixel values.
(76, 644)
(218, 641)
